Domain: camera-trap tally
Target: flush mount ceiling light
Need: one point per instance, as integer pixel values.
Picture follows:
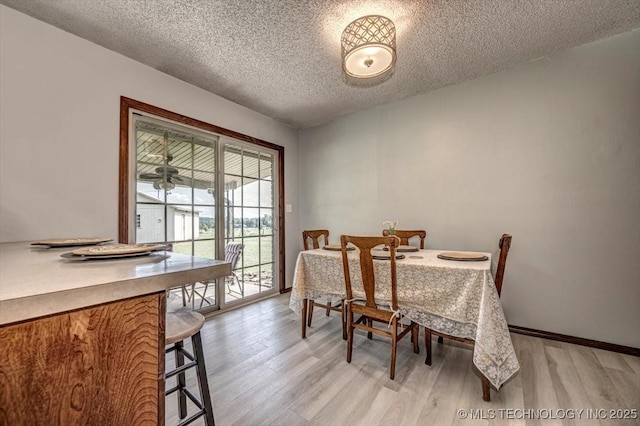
(369, 48)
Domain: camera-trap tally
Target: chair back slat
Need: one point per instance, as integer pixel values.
(314, 235)
(364, 245)
(232, 252)
(504, 244)
(406, 235)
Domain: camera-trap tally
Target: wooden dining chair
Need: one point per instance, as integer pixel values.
(320, 238)
(315, 235)
(368, 310)
(504, 244)
(405, 235)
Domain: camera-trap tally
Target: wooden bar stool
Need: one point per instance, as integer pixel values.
(181, 325)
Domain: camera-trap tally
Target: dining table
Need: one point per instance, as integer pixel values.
(452, 297)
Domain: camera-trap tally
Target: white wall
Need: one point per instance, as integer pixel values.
(548, 151)
(59, 126)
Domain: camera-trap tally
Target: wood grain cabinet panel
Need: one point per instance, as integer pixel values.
(101, 365)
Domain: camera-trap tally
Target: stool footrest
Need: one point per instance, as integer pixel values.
(193, 398)
(191, 419)
(182, 350)
(180, 369)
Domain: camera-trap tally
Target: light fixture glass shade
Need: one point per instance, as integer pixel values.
(369, 47)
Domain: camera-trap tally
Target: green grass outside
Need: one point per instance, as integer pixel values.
(252, 240)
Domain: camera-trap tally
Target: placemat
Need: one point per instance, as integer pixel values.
(462, 256)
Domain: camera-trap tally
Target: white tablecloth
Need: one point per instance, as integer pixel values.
(451, 297)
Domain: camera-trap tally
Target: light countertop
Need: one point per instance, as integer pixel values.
(36, 281)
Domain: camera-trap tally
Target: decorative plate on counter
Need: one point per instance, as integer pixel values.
(71, 242)
(113, 251)
(72, 256)
(462, 256)
(118, 249)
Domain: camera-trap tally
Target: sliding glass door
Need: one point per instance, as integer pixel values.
(209, 196)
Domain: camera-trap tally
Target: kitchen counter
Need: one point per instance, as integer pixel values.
(84, 341)
(35, 282)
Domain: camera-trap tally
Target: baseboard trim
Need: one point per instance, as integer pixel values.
(575, 340)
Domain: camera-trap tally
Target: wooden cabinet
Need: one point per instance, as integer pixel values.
(101, 365)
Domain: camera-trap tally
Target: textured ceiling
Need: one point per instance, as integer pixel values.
(282, 57)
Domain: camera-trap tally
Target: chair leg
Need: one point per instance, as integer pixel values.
(303, 317)
(350, 330)
(181, 381)
(415, 329)
(204, 294)
(328, 308)
(233, 279)
(310, 312)
(203, 384)
(394, 347)
(188, 296)
(240, 284)
(184, 296)
(486, 389)
(343, 318)
(427, 339)
(370, 324)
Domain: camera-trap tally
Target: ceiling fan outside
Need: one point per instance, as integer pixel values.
(166, 177)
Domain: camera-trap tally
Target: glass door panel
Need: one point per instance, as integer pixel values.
(249, 212)
(175, 197)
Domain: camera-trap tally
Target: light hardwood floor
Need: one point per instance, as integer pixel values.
(262, 373)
